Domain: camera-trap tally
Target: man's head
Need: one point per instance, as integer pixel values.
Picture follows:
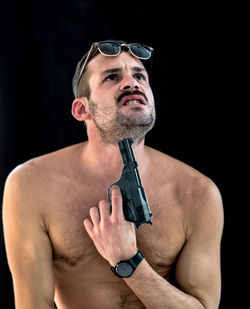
(112, 91)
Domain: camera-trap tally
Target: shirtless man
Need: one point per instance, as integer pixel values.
(61, 237)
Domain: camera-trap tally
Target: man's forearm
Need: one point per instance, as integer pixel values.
(155, 292)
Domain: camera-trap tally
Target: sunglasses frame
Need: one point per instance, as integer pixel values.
(95, 46)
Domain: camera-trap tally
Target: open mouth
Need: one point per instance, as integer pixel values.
(133, 100)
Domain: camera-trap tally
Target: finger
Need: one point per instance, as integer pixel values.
(88, 226)
(94, 215)
(116, 197)
(104, 208)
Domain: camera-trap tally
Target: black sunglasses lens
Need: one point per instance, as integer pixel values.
(109, 48)
(140, 51)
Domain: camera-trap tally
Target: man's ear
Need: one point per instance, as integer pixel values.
(80, 109)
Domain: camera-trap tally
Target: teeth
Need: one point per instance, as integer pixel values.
(132, 102)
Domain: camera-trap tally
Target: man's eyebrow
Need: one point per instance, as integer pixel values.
(139, 69)
(116, 70)
(113, 70)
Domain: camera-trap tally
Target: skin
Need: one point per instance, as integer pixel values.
(61, 238)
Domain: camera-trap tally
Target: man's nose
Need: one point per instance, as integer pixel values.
(129, 82)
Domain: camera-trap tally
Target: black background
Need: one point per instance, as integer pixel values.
(193, 79)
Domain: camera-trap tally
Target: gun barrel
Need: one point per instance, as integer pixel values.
(126, 150)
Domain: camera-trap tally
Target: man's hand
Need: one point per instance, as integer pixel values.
(113, 236)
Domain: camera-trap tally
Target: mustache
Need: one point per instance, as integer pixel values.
(127, 93)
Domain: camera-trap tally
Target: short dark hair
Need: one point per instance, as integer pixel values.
(81, 90)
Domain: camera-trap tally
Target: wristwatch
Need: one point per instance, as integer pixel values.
(125, 269)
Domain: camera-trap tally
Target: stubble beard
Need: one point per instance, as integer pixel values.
(114, 126)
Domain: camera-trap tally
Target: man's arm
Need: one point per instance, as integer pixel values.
(27, 244)
(198, 266)
(197, 270)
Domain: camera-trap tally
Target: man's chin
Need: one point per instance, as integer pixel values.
(133, 125)
(136, 131)
(138, 122)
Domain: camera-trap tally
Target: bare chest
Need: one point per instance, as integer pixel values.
(160, 243)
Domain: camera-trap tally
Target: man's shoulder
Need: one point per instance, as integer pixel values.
(39, 170)
(177, 169)
(195, 194)
(187, 183)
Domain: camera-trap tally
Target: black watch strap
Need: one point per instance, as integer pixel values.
(136, 260)
(133, 264)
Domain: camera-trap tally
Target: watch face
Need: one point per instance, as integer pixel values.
(124, 269)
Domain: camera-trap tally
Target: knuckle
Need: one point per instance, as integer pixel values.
(93, 210)
(103, 203)
(104, 225)
(116, 199)
(116, 221)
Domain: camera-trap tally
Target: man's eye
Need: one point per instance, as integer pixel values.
(140, 76)
(111, 77)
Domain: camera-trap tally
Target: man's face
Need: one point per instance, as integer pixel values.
(121, 101)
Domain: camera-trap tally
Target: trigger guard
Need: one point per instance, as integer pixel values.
(109, 189)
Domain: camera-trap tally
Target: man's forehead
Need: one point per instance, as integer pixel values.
(102, 63)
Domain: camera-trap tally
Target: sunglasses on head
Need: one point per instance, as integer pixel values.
(106, 48)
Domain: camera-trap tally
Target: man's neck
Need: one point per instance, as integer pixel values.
(104, 160)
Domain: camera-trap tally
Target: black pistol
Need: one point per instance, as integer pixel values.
(135, 203)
